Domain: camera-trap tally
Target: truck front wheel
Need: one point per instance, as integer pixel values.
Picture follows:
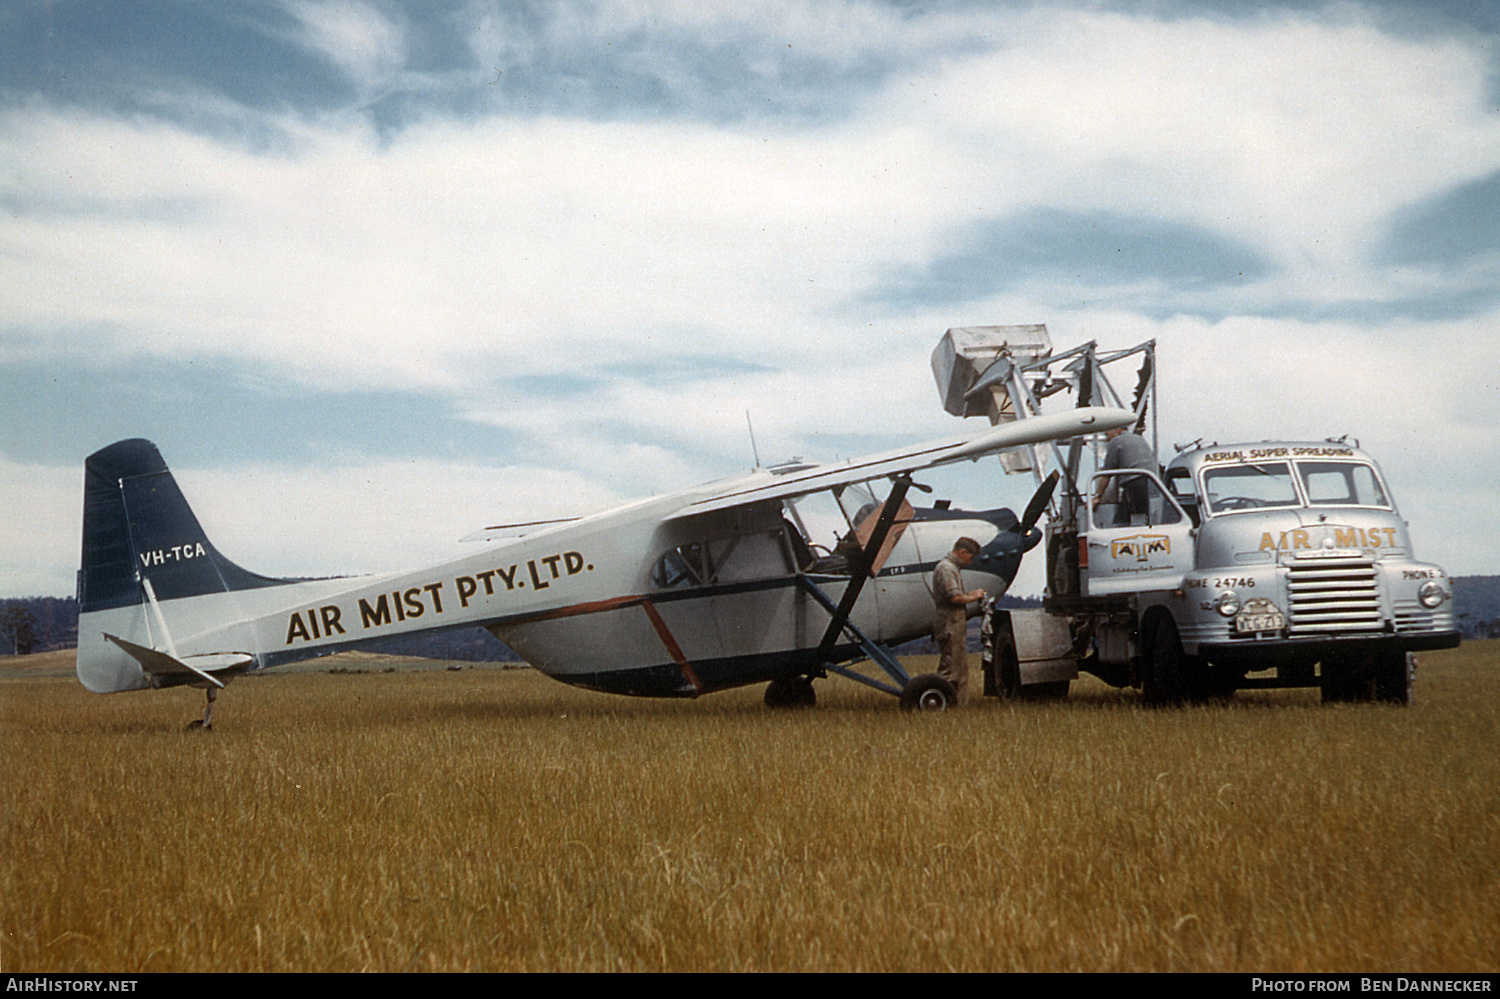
(1384, 676)
(1171, 675)
(1394, 674)
(1340, 681)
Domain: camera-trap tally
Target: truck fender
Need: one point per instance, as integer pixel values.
(1029, 653)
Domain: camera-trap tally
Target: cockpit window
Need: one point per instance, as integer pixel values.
(1249, 487)
(1341, 483)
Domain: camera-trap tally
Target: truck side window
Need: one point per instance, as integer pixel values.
(1134, 499)
(1180, 482)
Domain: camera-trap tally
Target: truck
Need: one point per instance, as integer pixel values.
(1234, 566)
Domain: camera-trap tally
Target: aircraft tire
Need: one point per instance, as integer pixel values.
(791, 692)
(928, 692)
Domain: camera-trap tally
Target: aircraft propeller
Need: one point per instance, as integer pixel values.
(1037, 506)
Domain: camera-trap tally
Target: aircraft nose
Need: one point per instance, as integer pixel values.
(1002, 556)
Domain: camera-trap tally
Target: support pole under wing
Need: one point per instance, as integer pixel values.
(866, 565)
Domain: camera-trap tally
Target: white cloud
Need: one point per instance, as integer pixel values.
(41, 530)
(373, 516)
(356, 37)
(1298, 138)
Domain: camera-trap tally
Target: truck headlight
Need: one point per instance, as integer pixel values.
(1229, 603)
(1431, 594)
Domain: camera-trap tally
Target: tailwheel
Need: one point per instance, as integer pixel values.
(791, 692)
(928, 692)
(206, 723)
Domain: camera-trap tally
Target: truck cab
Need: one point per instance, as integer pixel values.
(1268, 564)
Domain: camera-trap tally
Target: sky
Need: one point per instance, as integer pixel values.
(375, 274)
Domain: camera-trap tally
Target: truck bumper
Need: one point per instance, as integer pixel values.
(1254, 655)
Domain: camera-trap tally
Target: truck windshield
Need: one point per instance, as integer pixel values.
(1341, 483)
(1249, 487)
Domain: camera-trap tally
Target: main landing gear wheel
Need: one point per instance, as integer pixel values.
(791, 692)
(928, 692)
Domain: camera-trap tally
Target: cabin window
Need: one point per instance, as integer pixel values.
(820, 528)
(758, 555)
(1180, 482)
(682, 566)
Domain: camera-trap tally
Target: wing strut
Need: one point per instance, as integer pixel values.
(878, 653)
(861, 571)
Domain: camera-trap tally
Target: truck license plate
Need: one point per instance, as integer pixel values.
(1259, 615)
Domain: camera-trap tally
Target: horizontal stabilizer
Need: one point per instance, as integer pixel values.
(160, 664)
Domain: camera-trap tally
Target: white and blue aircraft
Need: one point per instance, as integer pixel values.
(682, 594)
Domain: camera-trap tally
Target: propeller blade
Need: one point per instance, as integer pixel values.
(1037, 506)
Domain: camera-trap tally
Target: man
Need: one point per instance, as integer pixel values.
(1129, 492)
(950, 619)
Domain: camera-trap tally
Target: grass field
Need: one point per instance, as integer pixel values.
(492, 820)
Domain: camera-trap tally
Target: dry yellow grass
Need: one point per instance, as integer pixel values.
(494, 820)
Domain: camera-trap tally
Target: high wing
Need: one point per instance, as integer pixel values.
(769, 486)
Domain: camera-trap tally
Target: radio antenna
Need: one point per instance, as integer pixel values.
(753, 449)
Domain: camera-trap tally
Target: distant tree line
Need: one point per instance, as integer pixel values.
(37, 624)
(1476, 602)
(42, 624)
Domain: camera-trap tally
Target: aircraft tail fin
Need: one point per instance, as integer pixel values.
(142, 547)
(137, 525)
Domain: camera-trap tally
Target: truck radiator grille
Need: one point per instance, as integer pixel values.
(1331, 599)
(1412, 616)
